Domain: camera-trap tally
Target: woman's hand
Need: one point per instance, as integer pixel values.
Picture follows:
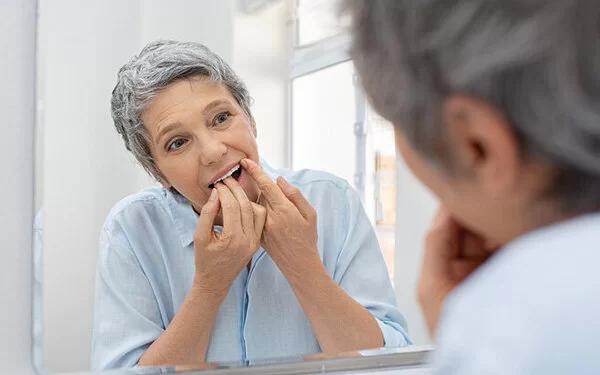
(290, 234)
(451, 254)
(220, 257)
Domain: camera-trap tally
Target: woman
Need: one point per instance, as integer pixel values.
(223, 263)
(496, 107)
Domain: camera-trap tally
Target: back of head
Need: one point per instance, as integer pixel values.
(537, 61)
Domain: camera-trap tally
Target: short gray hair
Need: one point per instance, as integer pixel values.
(158, 65)
(537, 61)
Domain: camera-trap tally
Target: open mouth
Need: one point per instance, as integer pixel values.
(234, 172)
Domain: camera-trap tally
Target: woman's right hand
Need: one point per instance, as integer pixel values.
(220, 257)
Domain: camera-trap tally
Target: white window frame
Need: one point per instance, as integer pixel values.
(317, 56)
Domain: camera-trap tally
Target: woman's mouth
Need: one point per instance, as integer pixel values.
(234, 172)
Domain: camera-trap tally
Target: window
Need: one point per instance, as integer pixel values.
(331, 127)
(384, 185)
(323, 106)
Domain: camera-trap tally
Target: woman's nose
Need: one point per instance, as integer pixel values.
(211, 151)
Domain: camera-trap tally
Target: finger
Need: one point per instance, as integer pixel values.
(472, 246)
(231, 210)
(208, 213)
(442, 242)
(271, 193)
(246, 212)
(295, 196)
(260, 216)
(441, 216)
(491, 246)
(461, 269)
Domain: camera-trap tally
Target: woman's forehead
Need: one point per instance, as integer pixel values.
(190, 96)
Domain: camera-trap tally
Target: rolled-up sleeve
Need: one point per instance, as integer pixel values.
(362, 273)
(127, 319)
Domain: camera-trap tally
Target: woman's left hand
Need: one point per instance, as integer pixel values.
(290, 231)
(452, 253)
(339, 322)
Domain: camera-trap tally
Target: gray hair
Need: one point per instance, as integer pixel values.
(158, 65)
(537, 61)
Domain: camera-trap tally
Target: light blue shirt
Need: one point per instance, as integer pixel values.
(534, 308)
(146, 267)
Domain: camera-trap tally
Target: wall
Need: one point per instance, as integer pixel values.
(415, 207)
(261, 48)
(206, 21)
(17, 73)
(86, 168)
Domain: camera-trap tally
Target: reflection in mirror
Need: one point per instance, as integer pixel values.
(201, 203)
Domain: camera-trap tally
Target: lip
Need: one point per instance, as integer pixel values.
(222, 172)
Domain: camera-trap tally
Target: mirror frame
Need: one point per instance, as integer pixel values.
(397, 360)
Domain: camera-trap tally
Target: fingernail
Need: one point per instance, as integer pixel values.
(244, 163)
(213, 195)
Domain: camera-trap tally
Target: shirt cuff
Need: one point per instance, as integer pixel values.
(394, 335)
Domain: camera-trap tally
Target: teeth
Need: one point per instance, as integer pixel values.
(232, 171)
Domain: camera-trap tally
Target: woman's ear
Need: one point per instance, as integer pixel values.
(484, 146)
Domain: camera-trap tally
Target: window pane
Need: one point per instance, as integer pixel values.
(317, 20)
(382, 137)
(323, 117)
(324, 112)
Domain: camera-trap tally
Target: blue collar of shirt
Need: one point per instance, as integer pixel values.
(186, 218)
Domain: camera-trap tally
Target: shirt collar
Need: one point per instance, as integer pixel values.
(571, 230)
(186, 219)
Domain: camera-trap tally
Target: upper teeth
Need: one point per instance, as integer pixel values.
(231, 171)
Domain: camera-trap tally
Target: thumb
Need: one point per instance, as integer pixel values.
(295, 196)
(208, 214)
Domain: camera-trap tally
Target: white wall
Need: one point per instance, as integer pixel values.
(86, 168)
(17, 73)
(206, 21)
(415, 207)
(261, 48)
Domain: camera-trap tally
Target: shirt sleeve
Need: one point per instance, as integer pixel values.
(362, 273)
(127, 319)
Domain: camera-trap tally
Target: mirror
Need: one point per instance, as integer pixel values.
(112, 276)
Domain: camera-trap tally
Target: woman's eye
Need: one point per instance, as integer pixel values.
(222, 117)
(176, 144)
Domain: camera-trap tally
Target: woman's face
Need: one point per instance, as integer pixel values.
(198, 133)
